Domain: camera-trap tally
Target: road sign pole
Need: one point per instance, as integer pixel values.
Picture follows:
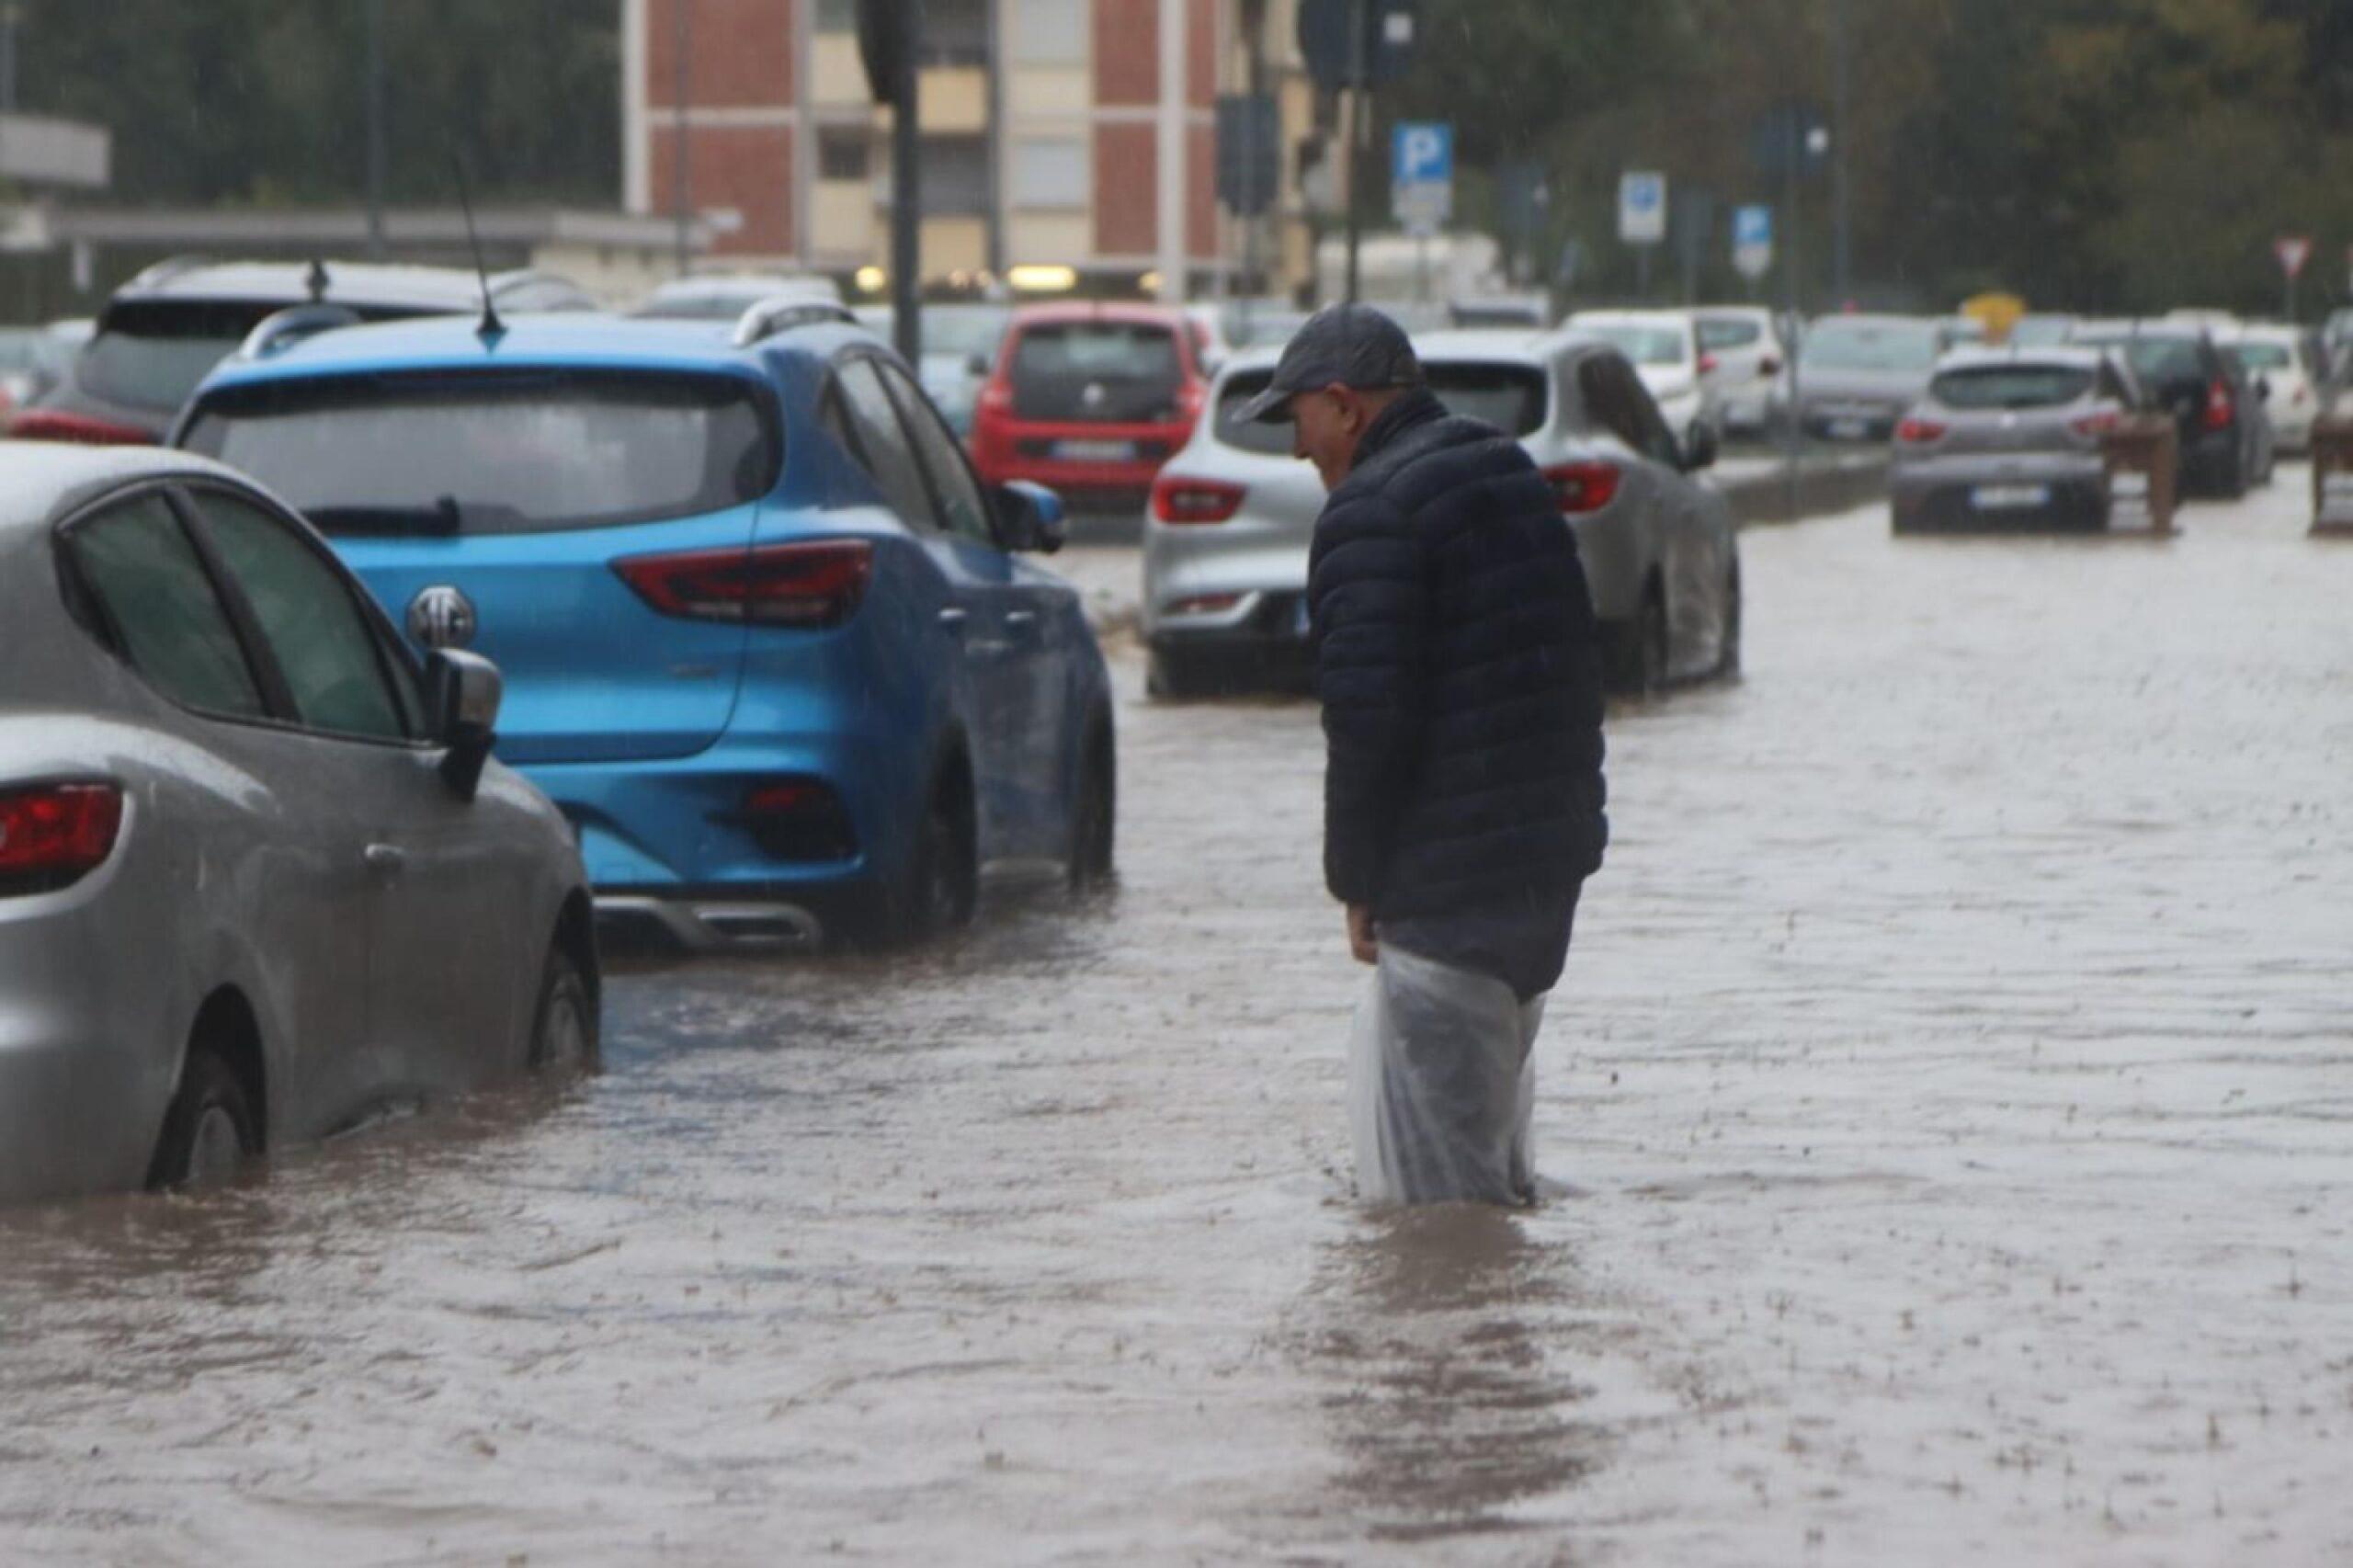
(1360, 130)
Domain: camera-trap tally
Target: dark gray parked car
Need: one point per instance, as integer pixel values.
(2009, 439)
(259, 879)
(2225, 436)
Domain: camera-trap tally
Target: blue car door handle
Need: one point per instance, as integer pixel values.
(385, 859)
(1020, 620)
(953, 619)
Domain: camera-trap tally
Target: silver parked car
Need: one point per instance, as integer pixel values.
(2009, 439)
(1233, 513)
(259, 877)
(1857, 374)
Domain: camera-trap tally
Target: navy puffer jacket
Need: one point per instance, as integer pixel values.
(1461, 676)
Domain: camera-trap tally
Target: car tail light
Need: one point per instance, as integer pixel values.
(53, 834)
(997, 397)
(1183, 501)
(814, 584)
(2218, 407)
(799, 819)
(1190, 400)
(56, 425)
(1708, 363)
(1919, 430)
(2093, 424)
(1202, 604)
(1582, 487)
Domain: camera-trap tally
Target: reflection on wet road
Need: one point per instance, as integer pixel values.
(1945, 1108)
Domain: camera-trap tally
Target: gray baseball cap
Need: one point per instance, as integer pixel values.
(1350, 346)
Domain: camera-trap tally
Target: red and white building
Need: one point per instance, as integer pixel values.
(1056, 133)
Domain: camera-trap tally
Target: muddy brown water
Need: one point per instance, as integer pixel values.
(1944, 1118)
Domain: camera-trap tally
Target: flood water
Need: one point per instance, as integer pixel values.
(1947, 1122)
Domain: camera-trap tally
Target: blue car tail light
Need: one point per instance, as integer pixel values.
(814, 584)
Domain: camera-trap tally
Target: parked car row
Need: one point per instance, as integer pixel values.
(1226, 538)
(762, 657)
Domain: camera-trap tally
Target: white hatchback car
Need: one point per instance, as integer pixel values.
(1231, 516)
(1742, 361)
(2285, 362)
(1664, 349)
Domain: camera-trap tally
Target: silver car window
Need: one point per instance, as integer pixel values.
(161, 606)
(333, 666)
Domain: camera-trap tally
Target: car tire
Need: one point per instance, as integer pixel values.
(2235, 479)
(209, 1128)
(1728, 663)
(1173, 678)
(1094, 828)
(939, 886)
(1635, 652)
(564, 1037)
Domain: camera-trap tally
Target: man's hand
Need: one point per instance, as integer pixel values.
(1362, 942)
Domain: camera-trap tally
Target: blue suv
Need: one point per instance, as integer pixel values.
(768, 641)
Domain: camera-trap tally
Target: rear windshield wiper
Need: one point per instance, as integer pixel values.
(443, 520)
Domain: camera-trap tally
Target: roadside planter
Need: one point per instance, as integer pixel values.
(2332, 476)
(2139, 457)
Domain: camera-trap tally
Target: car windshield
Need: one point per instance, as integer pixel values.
(1874, 346)
(528, 453)
(1511, 397)
(1643, 344)
(152, 353)
(2011, 386)
(1109, 372)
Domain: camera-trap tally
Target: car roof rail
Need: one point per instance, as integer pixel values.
(281, 330)
(169, 267)
(782, 312)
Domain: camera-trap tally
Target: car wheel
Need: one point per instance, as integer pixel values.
(1172, 677)
(1093, 826)
(2234, 478)
(1634, 653)
(210, 1129)
(939, 885)
(1729, 662)
(563, 1028)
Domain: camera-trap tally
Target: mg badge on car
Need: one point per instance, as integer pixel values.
(441, 617)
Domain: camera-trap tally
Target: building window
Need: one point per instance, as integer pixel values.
(1050, 172)
(1049, 32)
(836, 16)
(843, 151)
(955, 32)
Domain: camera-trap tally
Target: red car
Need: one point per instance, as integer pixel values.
(1089, 399)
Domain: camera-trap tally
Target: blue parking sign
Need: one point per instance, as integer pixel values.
(1421, 153)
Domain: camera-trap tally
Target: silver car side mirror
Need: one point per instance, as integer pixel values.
(466, 689)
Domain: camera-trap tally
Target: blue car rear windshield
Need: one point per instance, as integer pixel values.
(438, 455)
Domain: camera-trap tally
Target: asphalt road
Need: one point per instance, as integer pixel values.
(1944, 1121)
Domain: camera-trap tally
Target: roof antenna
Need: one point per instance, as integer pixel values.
(490, 327)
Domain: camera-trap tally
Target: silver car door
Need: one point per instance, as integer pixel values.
(1690, 562)
(448, 963)
(272, 850)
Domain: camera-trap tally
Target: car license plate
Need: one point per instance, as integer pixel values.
(1849, 429)
(1095, 451)
(2009, 497)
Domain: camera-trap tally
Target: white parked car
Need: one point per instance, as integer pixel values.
(1742, 362)
(2285, 362)
(1663, 347)
(1233, 513)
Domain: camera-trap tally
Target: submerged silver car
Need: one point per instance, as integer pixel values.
(2009, 439)
(259, 880)
(1233, 513)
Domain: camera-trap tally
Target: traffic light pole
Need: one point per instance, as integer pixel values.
(1359, 128)
(906, 197)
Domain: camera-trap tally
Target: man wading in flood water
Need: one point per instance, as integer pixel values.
(1462, 685)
